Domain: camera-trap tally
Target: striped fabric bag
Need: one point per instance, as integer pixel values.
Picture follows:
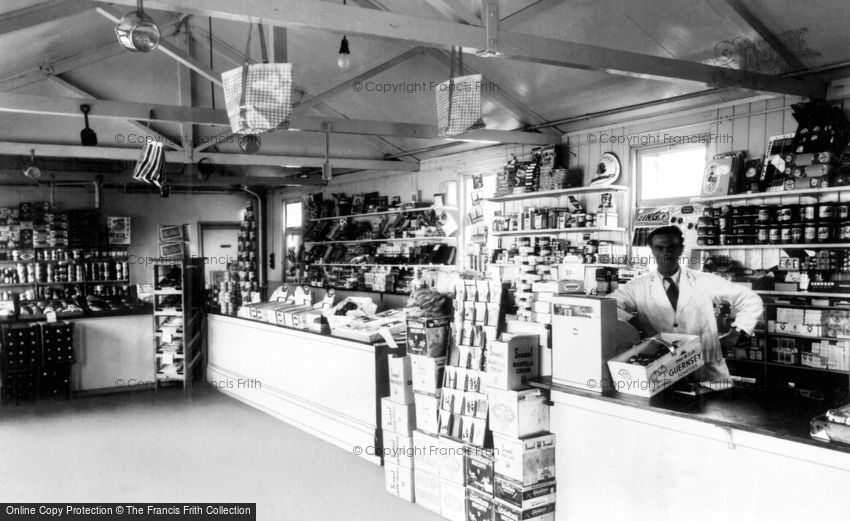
(150, 168)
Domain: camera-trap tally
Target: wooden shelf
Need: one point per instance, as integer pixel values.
(763, 195)
(124, 281)
(801, 293)
(789, 366)
(404, 266)
(167, 292)
(405, 239)
(804, 337)
(554, 231)
(61, 283)
(595, 265)
(557, 193)
(387, 212)
(17, 285)
(812, 246)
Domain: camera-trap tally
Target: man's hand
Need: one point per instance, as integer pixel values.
(730, 339)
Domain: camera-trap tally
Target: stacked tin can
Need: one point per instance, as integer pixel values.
(807, 223)
(247, 254)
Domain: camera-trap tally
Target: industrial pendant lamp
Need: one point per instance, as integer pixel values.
(137, 32)
(344, 60)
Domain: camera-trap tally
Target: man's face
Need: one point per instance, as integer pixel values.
(667, 250)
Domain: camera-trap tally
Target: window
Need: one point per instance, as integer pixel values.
(293, 234)
(669, 175)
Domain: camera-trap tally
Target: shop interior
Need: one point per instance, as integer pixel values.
(370, 259)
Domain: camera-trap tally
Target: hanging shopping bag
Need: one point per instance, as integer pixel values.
(259, 95)
(459, 102)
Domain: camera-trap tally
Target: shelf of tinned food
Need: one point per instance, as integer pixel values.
(801, 293)
(555, 231)
(557, 193)
(385, 212)
(404, 239)
(777, 193)
(807, 246)
(379, 265)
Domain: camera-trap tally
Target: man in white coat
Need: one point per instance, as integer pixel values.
(676, 299)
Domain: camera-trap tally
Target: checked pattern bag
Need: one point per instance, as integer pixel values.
(459, 105)
(258, 97)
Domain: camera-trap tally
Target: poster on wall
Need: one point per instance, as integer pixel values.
(119, 231)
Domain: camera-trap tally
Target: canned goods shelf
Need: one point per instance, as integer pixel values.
(763, 195)
(807, 246)
(556, 193)
(553, 231)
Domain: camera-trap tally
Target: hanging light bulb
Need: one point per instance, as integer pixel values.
(137, 32)
(344, 60)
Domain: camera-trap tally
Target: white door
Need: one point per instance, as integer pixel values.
(220, 247)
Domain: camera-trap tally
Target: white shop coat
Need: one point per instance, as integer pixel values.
(646, 297)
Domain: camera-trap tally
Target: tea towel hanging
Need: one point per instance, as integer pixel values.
(258, 96)
(459, 101)
(150, 168)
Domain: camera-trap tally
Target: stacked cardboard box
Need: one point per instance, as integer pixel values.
(397, 422)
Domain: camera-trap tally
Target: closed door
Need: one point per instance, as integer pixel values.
(219, 248)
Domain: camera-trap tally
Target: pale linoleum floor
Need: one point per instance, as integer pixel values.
(141, 447)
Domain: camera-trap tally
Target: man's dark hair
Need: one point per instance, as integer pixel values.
(675, 231)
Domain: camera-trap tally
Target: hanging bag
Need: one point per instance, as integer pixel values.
(151, 164)
(258, 96)
(459, 101)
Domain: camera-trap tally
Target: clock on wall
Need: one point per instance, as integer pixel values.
(607, 171)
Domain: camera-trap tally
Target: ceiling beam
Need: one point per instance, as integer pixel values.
(358, 21)
(58, 106)
(41, 13)
(76, 91)
(455, 10)
(363, 76)
(527, 13)
(132, 154)
(794, 63)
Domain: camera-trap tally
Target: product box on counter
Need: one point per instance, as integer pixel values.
(398, 481)
(397, 417)
(452, 501)
(521, 496)
(518, 413)
(506, 512)
(512, 362)
(528, 461)
(651, 379)
(427, 373)
(427, 487)
(479, 470)
(427, 412)
(427, 336)
(401, 382)
(479, 507)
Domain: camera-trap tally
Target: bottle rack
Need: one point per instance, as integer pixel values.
(178, 322)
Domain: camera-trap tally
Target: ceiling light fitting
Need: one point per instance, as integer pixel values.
(137, 32)
(32, 172)
(344, 59)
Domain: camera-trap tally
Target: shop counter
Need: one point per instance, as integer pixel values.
(737, 454)
(327, 386)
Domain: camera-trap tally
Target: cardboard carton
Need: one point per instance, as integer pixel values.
(511, 363)
(401, 382)
(427, 373)
(399, 481)
(397, 417)
(426, 449)
(452, 501)
(427, 412)
(479, 470)
(651, 379)
(518, 413)
(427, 486)
(506, 512)
(527, 460)
(479, 507)
(451, 455)
(522, 496)
(427, 336)
(398, 449)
